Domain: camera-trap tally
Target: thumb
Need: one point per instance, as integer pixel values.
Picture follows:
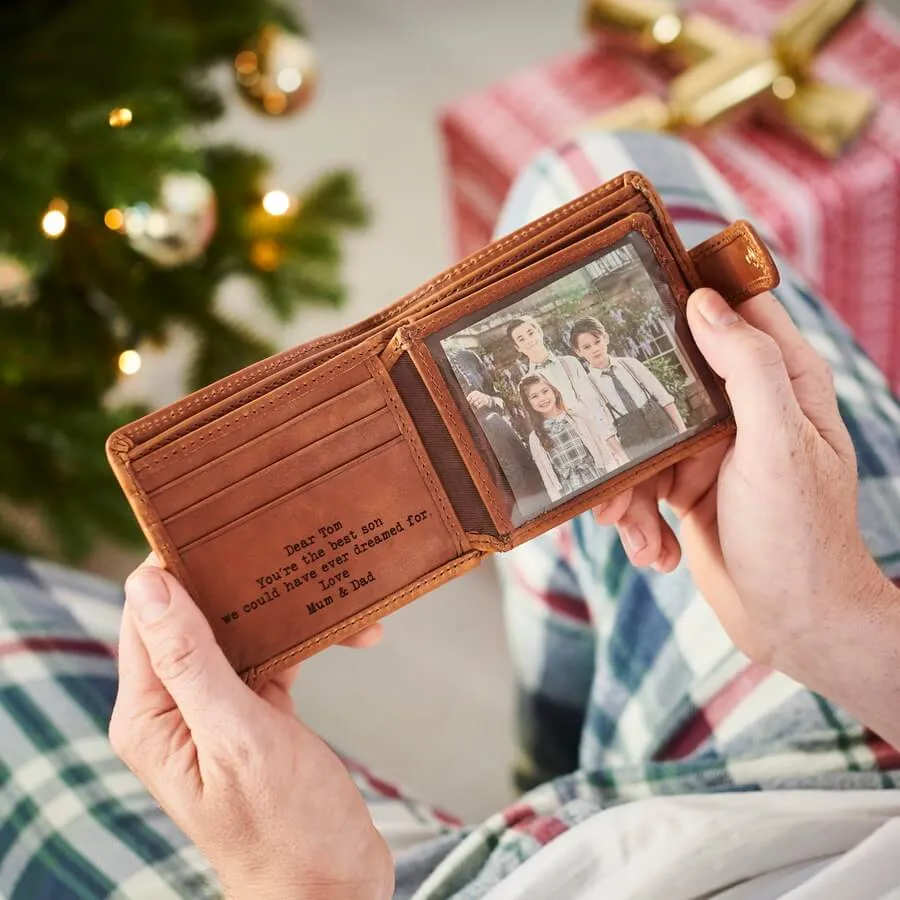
(751, 364)
(183, 651)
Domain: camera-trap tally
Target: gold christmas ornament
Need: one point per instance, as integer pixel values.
(277, 73)
(726, 73)
(180, 226)
(16, 283)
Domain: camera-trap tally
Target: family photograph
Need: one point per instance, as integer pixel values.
(581, 378)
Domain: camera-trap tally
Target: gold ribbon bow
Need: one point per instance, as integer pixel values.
(725, 73)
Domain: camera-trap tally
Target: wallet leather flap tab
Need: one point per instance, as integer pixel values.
(736, 263)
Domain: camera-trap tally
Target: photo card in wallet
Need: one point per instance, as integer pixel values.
(309, 495)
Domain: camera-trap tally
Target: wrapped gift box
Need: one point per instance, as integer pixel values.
(837, 221)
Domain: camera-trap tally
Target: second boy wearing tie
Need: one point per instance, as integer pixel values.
(644, 412)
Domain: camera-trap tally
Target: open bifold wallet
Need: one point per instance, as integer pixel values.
(309, 495)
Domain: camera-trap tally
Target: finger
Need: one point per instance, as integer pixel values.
(139, 687)
(753, 367)
(277, 690)
(136, 676)
(700, 531)
(640, 527)
(285, 678)
(184, 654)
(610, 512)
(146, 728)
(693, 477)
(810, 375)
(669, 551)
(366, 638)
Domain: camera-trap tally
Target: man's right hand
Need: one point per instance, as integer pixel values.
(769, 520)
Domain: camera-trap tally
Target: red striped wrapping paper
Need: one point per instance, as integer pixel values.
(837, 221)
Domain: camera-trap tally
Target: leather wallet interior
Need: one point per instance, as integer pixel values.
(311, 494)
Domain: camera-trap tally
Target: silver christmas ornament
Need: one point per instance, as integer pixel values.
(180, 226)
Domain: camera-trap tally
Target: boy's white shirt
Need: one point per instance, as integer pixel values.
(634, 370)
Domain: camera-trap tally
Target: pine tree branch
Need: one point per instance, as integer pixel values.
(224, 347)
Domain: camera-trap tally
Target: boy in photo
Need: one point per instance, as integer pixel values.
(644, 412)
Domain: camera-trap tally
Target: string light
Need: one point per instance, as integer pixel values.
(120, 117)
(129, 362)
(265, 254)
(54, 221)
(114, 219)
(276, 203)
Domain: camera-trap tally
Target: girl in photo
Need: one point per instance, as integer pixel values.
(567, 453)
(644, 412)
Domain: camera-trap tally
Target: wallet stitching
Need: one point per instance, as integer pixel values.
(740, 231)
(443, 401)
(382, 606)
(287, 423)
(715, 244)
(292, 493)
(157, 533)
(367, 421)
(521, 235)
(665, 256)
(448, 514)
(188, 444)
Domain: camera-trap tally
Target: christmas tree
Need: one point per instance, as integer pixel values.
(120, 222)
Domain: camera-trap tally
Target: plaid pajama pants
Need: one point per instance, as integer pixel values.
(628, 687)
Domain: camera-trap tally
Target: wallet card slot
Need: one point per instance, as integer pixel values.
(320, 556)
(240, 520)
(282, 478)
(266, 449)
(157, 465)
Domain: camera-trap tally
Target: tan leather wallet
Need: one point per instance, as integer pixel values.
(309, 495)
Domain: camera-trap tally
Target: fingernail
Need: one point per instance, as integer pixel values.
(634, 539)
(715, 310)
(148, 595)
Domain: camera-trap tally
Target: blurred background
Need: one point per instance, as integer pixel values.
(432, 707)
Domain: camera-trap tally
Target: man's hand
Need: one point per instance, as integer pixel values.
(268, 803)
(478, 400)
(769, 520)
